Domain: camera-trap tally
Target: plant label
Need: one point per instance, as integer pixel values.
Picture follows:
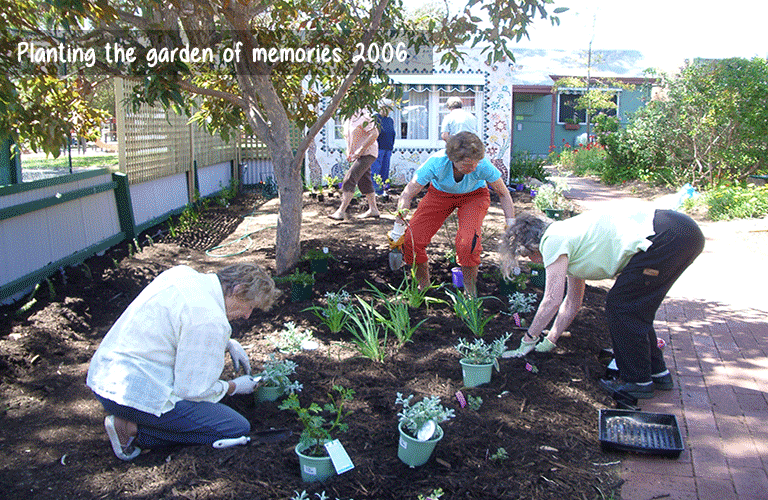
(462, 400)
(341, 461)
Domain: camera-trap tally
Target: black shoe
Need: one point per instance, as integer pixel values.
(663, 382)
(630, 388)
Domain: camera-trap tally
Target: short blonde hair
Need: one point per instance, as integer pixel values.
(249, 282)
(463, 146)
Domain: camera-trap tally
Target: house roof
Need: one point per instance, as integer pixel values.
(540, 67)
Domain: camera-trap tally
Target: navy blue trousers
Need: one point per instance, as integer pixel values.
(640, 288)
(189, 422)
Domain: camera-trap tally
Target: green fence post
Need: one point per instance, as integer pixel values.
(124, 206)
(10, 162)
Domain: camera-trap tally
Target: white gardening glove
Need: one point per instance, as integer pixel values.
(509, 222)
(245, 384)
(523, 350)
(239, 357)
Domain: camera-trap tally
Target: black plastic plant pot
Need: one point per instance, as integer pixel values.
(640, 432)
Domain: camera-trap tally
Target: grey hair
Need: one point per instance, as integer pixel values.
(248, 282)
(454, 103)
(520, 239)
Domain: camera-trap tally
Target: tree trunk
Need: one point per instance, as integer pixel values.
(288, 179)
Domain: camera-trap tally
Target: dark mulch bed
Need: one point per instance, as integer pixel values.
(53, 443)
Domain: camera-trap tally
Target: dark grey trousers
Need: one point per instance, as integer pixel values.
(633, 300)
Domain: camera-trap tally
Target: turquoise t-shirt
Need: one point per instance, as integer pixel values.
(599, 243)
(438, 170)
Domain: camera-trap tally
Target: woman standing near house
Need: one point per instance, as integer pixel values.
(644, 248)
(361, 132)
(459, 177)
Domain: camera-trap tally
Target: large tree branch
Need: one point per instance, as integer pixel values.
(378, 12)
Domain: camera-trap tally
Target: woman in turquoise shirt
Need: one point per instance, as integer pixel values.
(458, 179)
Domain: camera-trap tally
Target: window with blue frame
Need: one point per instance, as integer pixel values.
(567, 112)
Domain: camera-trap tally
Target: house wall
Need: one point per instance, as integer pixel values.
(537, 130)
(532, 124)
(325, 157)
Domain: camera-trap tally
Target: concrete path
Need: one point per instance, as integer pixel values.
(715, 322)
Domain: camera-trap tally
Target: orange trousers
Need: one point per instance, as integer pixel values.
(430, 215)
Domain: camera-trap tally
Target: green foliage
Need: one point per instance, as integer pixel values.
(587, 159)
(735, 202)
(365, 327)
(524, 165)
(501, 454)
(710, 127)
(479, 352)
(470, 310)
(317, 428)
(276, 373)
(522, 303)
(300, 277)
(291, 337)
(335, 313)
(409, 291)
(474, 402)
(415, 416)
(550, 196)
(398, 319)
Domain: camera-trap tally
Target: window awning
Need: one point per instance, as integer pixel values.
(448, 82)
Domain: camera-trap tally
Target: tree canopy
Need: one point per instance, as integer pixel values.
(236, 90)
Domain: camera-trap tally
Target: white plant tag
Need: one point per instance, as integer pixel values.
(341, 461)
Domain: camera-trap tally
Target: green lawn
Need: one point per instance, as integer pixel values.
(62, 162)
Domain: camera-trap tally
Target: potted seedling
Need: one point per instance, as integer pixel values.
(301, 284)
(318, 431)
(551, 200)
(275, 380)
(419, 428)
(516, 283)
(318, 259)
(479, 358)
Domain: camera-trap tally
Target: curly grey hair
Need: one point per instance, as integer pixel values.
(254, 284)
(520, 240)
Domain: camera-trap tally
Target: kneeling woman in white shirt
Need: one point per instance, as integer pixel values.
(157, 371)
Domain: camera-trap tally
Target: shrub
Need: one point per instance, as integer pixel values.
(735, 202)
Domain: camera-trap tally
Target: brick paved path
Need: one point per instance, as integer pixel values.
(715, 322)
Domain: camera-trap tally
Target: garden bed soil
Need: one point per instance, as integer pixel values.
(53, 444)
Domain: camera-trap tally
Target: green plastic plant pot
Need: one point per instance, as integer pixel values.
(300, 292)
(507, 287)
(314, 469)
(475, 375)
(413, 452)
(268, 393)
(539, 280)
(318, 266)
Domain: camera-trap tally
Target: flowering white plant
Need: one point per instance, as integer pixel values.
(480, 352)
(336, 311)
(276, 372)
(415, 416)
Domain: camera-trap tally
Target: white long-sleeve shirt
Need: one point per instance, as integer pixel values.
(167, 346)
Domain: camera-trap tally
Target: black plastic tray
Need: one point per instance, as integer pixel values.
(642, 432)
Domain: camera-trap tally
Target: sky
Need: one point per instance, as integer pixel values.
(667, 32)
